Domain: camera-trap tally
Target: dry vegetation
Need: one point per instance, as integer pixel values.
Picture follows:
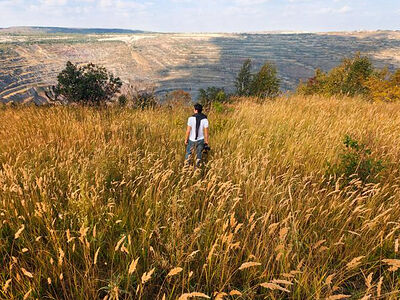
(97, 204)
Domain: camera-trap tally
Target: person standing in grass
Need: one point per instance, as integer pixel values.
(196, 134)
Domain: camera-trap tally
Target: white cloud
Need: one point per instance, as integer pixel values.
(204, 15)
(53, 2)
(330, 10)
(122, 5)
(344, 9)
(249, 2)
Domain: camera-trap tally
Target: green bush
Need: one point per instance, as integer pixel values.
(211, 95)
(264, 84)
(244, 79)
(89, 84)
(122, 100)
(384, 86)
(346, 79)
(144, 100)
(314, 85)
(136, 97)
(357, 161)
(218, 107)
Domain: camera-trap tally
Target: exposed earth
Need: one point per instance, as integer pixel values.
(31, 59)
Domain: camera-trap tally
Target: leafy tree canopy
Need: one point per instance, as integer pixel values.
(88, 84)
(346, 79)
(265, 83)
(244, 79)
(211, 95)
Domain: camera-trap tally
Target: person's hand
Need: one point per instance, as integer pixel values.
(186, 142)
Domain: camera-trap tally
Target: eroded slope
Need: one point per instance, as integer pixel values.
(180, 61)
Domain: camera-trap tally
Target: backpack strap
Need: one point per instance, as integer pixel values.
(199, 117)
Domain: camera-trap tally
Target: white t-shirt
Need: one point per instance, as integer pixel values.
(192, 123)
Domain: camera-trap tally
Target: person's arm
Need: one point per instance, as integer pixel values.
(206, 135)
(189, 128)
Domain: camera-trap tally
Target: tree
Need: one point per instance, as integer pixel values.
(211, 95)
(178, 98)
(144, 100)
(349, 78)
(265, 83)
(88, 85)
(314, 85)
(384, 86)
(244, 79)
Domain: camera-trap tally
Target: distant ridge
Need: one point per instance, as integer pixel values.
(38, 29)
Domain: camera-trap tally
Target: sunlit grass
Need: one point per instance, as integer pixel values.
(97, 203)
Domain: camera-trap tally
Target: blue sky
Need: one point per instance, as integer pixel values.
(205, 15)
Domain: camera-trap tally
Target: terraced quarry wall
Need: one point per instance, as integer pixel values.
(180, 61)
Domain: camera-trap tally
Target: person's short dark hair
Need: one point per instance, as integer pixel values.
(198, 107)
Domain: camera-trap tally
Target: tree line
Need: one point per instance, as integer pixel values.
(355, 76)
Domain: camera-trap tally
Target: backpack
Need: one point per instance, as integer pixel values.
(199, 117)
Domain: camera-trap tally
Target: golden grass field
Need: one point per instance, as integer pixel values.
(97, 204)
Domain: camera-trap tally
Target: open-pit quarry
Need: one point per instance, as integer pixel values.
(29, 62)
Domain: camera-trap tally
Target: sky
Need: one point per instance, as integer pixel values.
(205, 15)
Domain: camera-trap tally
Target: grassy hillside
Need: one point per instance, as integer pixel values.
(97, 204)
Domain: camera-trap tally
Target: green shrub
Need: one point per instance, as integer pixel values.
(346, 79)
(244, 79)
(314, 85)
(142, 97)
(218, 107)
(384, 86)
(265, 83)
(212, 94)
(89, 84)
(144, 100)
(122, 100)
(357, 161)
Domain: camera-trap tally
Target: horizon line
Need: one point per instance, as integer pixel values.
(281, 31)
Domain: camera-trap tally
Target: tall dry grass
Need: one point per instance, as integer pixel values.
(97, 204)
